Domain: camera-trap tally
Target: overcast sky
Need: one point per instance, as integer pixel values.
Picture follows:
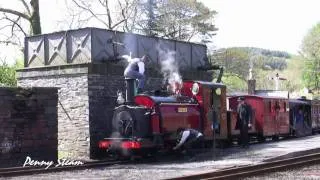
(271, 24)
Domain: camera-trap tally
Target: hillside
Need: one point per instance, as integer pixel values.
(264, 63)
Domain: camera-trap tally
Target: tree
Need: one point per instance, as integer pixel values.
(235, 61)
(113, 15)
(178, 19)
(173, 19)
(311, 52)
(14, 20)
(8, 73)
(238, 60)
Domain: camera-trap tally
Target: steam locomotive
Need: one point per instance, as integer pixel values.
(148, 122)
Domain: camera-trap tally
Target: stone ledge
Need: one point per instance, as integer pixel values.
(100, 69)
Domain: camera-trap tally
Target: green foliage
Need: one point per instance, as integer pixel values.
(177, 19)
(233, 82)
(267, 52)
(8, 73)
(234, 60)
(293, 73)
(274, 63)
(238, 60)
(311, 52)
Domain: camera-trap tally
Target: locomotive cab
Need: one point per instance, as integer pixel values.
(212, 101)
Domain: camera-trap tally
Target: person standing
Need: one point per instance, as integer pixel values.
(244, 121)
(135, 70)
(299, 122)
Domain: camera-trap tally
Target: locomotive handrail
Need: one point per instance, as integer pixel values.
(182, 104)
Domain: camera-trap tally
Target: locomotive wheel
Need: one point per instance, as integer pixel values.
(123, 123)
(275, 138)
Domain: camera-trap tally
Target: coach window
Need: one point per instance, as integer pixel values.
(277, 106)
(284, 106)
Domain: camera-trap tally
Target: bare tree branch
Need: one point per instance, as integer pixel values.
(135, 11)
(90, 11)
(14, 19)
(15, 23)
(123, 16)
(26, 6)
(109, 15)
(192, 34)
(115, 25)
(14, 12)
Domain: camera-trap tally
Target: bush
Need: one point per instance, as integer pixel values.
(8, 73)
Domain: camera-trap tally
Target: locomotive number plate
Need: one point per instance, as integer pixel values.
(182, 109)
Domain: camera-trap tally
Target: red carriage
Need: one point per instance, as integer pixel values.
(270, 116)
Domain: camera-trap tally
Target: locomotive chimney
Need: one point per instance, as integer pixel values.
(130, 90)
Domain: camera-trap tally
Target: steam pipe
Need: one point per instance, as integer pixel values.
(110, 41)
(220, 75)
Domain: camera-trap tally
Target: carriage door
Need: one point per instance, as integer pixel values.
(277, 119)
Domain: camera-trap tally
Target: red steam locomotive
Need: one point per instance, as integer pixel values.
(148, 122)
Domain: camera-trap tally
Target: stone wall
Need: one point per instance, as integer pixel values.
(73, 105)
(87, 97)
(28, 125)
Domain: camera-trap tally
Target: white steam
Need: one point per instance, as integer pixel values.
(170, 70)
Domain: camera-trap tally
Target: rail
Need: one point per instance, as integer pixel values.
(255, 170)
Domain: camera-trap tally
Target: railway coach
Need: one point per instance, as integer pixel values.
(300, 117)
(270, 116)
(315, 115)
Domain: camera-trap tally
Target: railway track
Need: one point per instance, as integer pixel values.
(28, 170)
(255, 170)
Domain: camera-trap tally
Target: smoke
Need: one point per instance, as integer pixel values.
(129, 41)
(170, 70)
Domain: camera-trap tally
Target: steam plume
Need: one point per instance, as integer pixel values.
(170, 70)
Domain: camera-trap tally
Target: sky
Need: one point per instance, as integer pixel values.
(271, 24)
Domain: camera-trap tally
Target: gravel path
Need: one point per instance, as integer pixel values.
(311, 172)
(165, 168)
